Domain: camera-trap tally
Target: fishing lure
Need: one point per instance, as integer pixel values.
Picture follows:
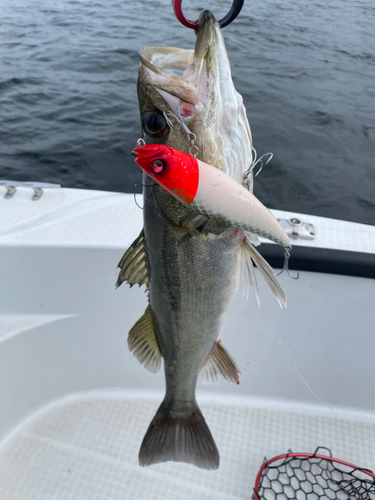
(208, 190)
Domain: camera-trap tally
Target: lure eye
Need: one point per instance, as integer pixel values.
(154, 124)
(157, 166)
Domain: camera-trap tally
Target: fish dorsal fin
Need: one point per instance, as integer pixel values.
(143, 344)
(248, 254)
(134, 265)
(220, 362)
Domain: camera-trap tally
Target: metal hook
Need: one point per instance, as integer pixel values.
(193, 150)
(260, 160)
(232, 14)
(286, 263)
(254, 163)
(180, 120)
(140, 144)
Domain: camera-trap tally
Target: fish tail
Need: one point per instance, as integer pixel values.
(179, 439)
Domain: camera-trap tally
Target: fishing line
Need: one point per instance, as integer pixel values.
(296, 368)
(135, 193)
(135, 197)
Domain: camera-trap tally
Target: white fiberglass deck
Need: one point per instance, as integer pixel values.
(85, 448)
(71, 217)
(75, 403)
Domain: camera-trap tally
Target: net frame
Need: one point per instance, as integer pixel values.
(351, 485)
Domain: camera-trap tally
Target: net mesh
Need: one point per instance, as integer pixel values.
(313, 477)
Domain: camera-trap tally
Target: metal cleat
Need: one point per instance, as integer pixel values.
(298, 230)
(11, 188)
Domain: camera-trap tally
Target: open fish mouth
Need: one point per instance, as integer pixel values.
(159, 66)
(197, 85)
(189, 76)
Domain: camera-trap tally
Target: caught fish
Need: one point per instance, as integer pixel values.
(190, 266)
(208, 190)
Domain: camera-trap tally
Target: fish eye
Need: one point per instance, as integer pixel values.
(154, 124)
(157, 166)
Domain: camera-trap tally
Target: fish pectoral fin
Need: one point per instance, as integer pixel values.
(133, 265)
(248, 255)
(220, 362)
(143, 344)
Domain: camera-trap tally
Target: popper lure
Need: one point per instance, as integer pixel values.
(208, 190)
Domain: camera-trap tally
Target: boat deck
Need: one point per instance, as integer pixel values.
(85, 448)
(75, 403)
(73, 217)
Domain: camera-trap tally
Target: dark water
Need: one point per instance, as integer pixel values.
(306, 70)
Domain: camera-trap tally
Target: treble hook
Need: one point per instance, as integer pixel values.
(232, 14)
(286, 263)
(254, 163)
(180, 120)
(260, 160)
(193, 150)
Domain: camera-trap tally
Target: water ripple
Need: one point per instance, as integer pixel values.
(69, 110)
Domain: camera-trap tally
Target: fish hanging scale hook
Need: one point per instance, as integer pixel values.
(231, 16)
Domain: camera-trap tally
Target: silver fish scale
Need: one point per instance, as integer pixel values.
(191, 288)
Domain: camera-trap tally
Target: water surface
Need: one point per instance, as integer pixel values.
(306, 70)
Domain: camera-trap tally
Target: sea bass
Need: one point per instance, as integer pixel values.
(191, 273)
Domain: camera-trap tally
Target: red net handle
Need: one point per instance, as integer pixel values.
(303, 455)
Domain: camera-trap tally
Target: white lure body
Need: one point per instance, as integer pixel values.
(221, 196)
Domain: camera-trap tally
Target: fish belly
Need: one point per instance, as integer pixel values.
(191, 288)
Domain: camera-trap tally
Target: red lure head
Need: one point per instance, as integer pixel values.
(175, 171)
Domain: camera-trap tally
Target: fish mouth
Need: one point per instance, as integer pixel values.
(197, 86)
(159, 66)
(181, 75)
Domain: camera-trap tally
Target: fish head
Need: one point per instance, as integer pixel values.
(176, 172)
(196, 86)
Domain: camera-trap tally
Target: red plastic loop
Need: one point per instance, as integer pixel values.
(232, 14)
(176, 4)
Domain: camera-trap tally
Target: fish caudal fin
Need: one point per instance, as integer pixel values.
(186, 439)
(248, 255)
(220, 362)
(133, 264)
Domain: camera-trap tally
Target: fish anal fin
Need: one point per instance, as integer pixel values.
(143, 344)
(187, 439)
(220, 362)
(133, 264)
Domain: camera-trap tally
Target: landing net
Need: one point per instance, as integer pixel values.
(312, 476)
